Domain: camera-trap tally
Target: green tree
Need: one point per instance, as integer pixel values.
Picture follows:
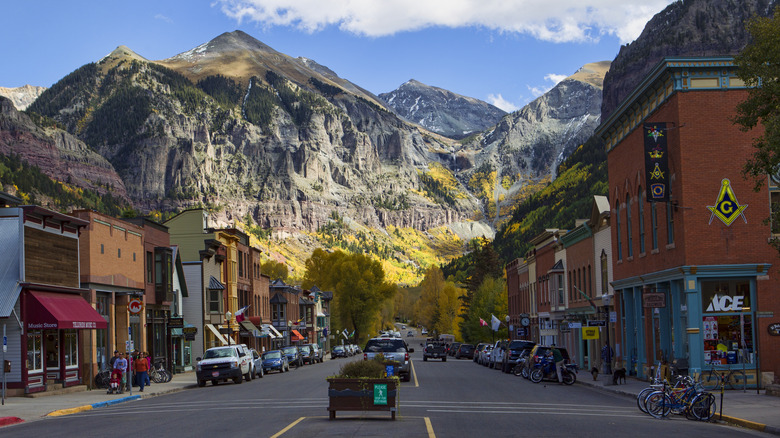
(275, 270)
(489, 299)
(759, 67)
(359, 288)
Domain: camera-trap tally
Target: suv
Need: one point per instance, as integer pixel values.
(316, 353)
(306, 354)
(393, 349)
(465, 350)
(514, 349)
(497, 354)
(225, 363)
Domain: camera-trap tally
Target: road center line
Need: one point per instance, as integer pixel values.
(429, 427)
(281, 432)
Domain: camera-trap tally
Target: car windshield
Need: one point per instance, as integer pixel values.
(272, 355)
(385, 346)
(289, 350)
(338, 348)
(221, 352)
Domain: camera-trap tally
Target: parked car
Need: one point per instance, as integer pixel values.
(453, 348)
(478, 350)
(513, 351)
(317, 353)
(306, 353)
(257, 364)
(409, 334)
(465, 350)
(484, 355)
(497, 354)
(275, 360)
(293, 355)
(220, 364)
(338, 351)
(393, 349)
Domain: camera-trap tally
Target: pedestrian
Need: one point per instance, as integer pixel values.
(113, 359)
(141, 366)
(120, 365)
(149, 362)
(558, 359)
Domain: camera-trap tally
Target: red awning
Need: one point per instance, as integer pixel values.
(52, 311)
(296, 335)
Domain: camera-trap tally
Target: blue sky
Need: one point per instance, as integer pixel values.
(506, 52)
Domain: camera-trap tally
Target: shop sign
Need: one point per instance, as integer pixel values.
(765, 314)
(654, 299)
(726, 303)
(726, 207)
(176, 322)
(522, 332)
(135, 306)
(590, 333)
(573, 325)
(597, 323)
(774, 329)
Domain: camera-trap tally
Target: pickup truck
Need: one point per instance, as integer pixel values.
(393, 349)
(435, 350)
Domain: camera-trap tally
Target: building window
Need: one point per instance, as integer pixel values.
(102, 249)
(629, 238)
(214, 298)
(133, 256)
(240, 264)
(70, 348)
(654, 223)
(163, 274)
(641, 221)
(561, 297)
(604, 273)
(278, 312)
(617, 233)
(149, 267)
(119, 253)
(34, 350)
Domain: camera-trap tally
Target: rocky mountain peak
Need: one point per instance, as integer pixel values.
(23, 96)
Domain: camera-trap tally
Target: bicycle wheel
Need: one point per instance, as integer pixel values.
(658, 404)
(710, 380)
(168, 376)
(737, 380)
(642, 397)
(703, 406)
(102, 380)
(156, 377)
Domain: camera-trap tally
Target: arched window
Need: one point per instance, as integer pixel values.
(629, 239)
(640, 195)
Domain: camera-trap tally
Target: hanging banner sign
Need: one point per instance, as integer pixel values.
(656, 162)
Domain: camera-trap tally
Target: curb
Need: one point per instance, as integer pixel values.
(7, 421)
(69, 411)
(749, 424)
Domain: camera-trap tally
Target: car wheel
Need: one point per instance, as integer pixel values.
(444, 359)
(215, 382)
(238, 380)
(248, 376)
(425, 359)
(201, 383)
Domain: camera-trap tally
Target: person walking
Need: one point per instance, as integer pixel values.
(148, 361)
(120, 366)
(558, 359)
(141, 366)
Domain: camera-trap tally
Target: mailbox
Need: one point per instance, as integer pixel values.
(7, 366)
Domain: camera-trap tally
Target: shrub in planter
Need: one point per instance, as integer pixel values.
(362, 386)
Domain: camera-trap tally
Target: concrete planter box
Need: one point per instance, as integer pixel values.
(362, 394)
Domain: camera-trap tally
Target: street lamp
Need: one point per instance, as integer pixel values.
(227, 323)
(508, 332)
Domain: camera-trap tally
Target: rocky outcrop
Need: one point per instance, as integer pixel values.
(23, 96)
(442, 111)
(684, 28)
(58, 154)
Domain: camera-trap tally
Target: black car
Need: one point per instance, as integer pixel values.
(338, 351)
(465, 350)
(514, 349)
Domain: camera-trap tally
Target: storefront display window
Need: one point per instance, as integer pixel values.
(70, 348)
(35, 350)
(727, 322)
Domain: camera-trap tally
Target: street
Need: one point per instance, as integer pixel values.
(444, 399)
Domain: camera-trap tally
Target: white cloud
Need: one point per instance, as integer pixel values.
(552, 79)
(552, 20)
(163, 18)
(555, 78)
(498, 101)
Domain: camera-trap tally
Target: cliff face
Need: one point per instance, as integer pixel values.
(441, 111)
(23, 96)
(684, 28)
(58, 154)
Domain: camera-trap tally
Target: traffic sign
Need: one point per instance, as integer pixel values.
(135, 306)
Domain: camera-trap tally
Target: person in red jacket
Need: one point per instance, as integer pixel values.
(141, 366)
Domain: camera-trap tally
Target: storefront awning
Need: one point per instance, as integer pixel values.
(217, 334)
(55, 311)
(296, 335)
(248, 326)
(321, 315)
(272, 331)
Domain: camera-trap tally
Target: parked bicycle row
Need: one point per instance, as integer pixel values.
(138, 366)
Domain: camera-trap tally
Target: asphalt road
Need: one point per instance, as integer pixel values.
(456, 398)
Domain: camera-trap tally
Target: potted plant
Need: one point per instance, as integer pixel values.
(363, 386)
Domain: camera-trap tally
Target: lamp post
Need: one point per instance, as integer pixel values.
(227, 323)
(508, 332)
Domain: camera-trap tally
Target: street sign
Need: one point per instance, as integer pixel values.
(590, 333)
(176, 322)
(135, 306)
(129, 346)
(5, 344)
(380, 393)
(597, 323)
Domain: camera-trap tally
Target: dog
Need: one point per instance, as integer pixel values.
(595, 372)
(619, 376)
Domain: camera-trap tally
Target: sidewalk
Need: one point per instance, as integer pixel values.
(21, 409)
(747, 409)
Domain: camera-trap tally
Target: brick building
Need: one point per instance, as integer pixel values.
(693, 272)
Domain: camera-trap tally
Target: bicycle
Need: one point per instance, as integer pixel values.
(159, 374)
(688, 401)
(103, 379)
(715, 378)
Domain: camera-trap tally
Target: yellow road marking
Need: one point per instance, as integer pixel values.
(429, 427)
(281, 432)
(414, 373)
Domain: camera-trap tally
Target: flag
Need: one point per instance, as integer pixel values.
(494, 322)
(482, 322)
(240, 314)
(344, 332)
(352, 334)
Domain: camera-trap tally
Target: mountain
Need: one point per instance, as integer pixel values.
(22, 97)
(441, 111)
(684, 28)
(525, 147)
